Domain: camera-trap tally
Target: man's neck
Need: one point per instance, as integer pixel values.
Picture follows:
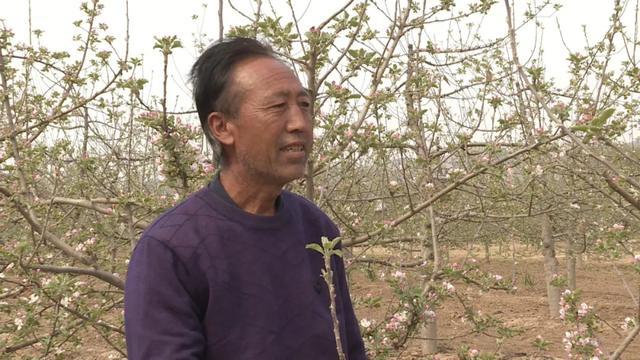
(254, 198)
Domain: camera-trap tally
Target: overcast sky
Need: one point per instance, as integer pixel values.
(164, 17)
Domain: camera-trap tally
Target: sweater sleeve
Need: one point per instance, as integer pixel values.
(161, 318)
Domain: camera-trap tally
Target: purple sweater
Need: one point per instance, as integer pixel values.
(210, 281)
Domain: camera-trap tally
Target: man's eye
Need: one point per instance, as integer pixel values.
(305, 104)
(279, 105)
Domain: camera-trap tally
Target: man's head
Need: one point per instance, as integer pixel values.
(210, 76)
(254, 107)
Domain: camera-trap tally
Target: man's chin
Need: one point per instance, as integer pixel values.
(292, 176)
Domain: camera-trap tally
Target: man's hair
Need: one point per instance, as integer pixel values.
(210, 77)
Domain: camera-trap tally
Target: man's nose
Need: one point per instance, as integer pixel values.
(299, 119)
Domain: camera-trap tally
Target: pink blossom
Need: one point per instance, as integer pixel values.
(559, 106)
(349, 134)
(584, 118)
(33, 298)
(583, 310)
(429, 315)
(617, 227)
(397, 320)
(628, 323)
(365, 324)
(209, 168)
(538, 170)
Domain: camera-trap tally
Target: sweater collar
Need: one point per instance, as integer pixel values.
(216, 196)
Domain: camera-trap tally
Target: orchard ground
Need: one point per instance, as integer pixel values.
(525, 309)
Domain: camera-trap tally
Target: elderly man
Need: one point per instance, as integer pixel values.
(225, 274)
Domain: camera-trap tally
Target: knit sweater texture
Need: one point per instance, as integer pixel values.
(210, 281)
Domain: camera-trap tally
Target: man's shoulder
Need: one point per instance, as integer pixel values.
(302, 203)
(309, 211)
(178, 223)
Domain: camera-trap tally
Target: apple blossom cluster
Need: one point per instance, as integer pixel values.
(538, 170)
(455, 173)
(413, 308)
(540, 343)
(466, 352)
(19, 323)
(181, 159)
(629, 323)
(580, 342)
(616, 227)
(366, 324)
(429, 315)
(397, 321)
(448, 287)
(575, 342)
(399, 275)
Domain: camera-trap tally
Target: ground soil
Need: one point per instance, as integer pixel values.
(601, 285)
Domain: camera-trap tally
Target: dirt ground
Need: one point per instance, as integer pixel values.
(601, 285)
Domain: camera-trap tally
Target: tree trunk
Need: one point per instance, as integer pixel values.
(550, 266)
(429, 330)
(571, 264)
(430, 334)
(580, 245)
(487, 251)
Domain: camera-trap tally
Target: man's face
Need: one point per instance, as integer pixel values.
(272, 132)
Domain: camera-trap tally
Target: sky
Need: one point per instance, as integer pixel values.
(164, 17)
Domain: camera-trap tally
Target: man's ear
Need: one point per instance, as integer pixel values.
(219, 127)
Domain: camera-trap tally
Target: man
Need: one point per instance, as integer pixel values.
(225, 274)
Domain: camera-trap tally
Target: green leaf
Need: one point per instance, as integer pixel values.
(601, 119)
(316, 247)
(334, 242)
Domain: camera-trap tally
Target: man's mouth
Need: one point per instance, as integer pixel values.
(293, 148)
